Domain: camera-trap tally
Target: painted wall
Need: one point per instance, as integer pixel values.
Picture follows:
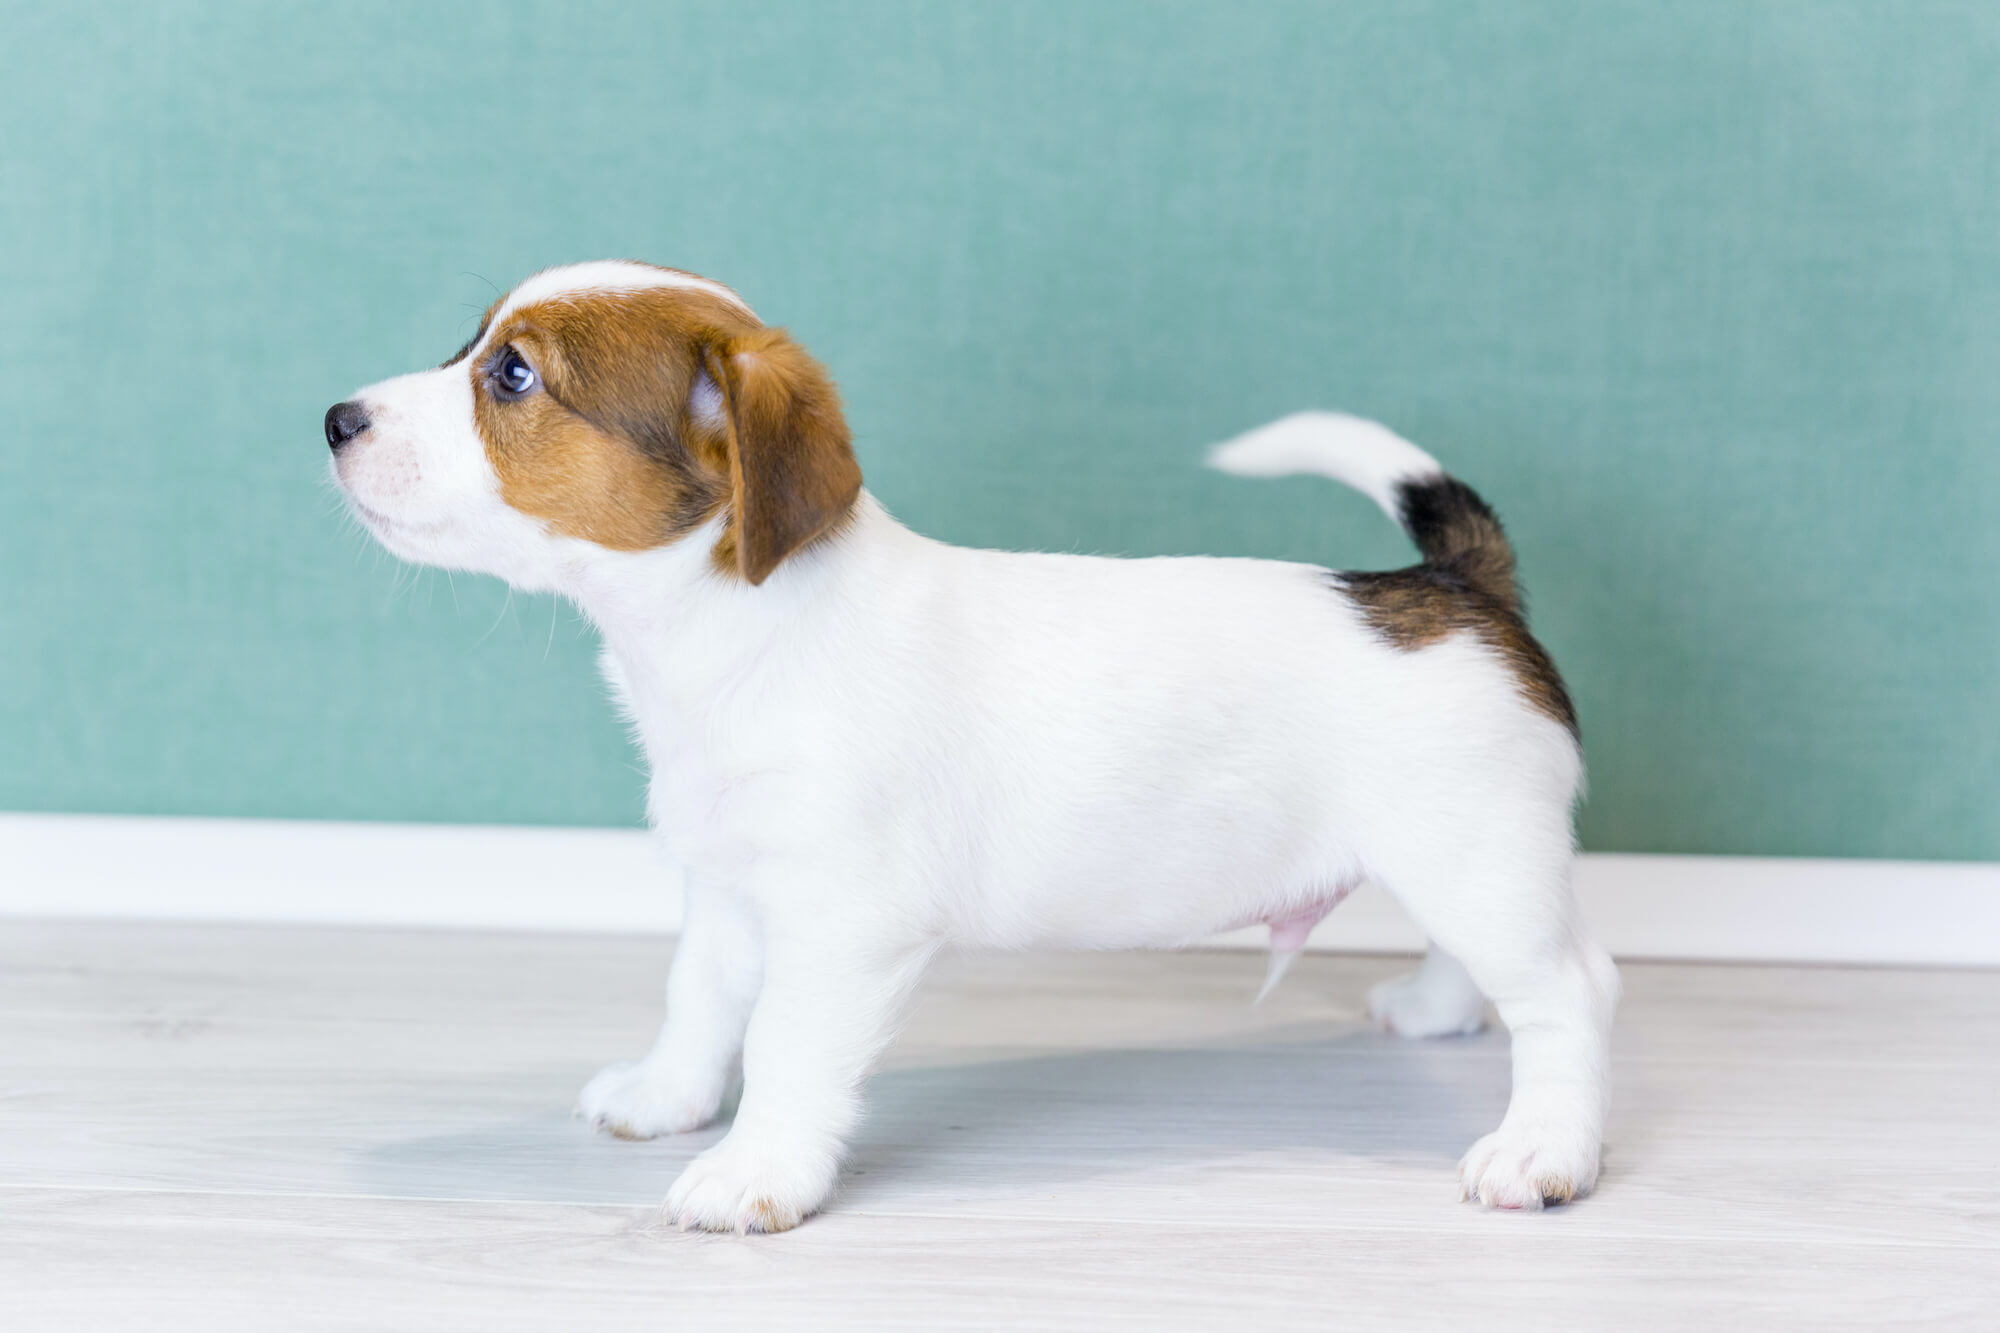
(1705, 297)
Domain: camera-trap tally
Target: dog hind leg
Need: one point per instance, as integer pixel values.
(1439, 999)
(1519, 938)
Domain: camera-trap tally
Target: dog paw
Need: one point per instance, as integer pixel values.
(741, 1187)
(1530, 1166)
(635, 1100)
(1415, 1006)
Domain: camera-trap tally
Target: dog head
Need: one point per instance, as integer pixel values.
(617, 404)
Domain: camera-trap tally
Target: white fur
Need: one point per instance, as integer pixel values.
(1439, 999)
(705, 400)
(894, 746)
(610, 275)
(1363, 454)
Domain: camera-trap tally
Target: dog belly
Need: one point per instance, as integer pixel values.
(1160, 886)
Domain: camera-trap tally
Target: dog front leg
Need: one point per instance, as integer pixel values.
(828, 1007)
(680, 1083)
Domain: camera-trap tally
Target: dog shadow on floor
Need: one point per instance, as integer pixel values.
(1033, 1125)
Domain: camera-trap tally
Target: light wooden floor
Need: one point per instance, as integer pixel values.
(280, 1128)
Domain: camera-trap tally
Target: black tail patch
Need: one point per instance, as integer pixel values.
(1459, 534)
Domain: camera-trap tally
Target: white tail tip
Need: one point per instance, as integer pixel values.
(1357, 452)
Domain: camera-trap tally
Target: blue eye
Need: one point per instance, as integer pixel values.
(512, 376)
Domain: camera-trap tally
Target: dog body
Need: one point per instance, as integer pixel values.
(867, 746)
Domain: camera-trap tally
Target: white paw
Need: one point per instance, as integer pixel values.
(740, 1186)
(636, 1100)
(1529, 1165)
(1416, 1006)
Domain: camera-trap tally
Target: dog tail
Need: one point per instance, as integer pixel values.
(1454, 529)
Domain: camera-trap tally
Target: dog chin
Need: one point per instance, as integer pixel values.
(417, 543)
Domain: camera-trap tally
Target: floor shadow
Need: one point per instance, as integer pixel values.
(1038, 1122)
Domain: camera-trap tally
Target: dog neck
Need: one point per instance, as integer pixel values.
(683, 636)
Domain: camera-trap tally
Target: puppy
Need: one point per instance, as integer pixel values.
(867, 746)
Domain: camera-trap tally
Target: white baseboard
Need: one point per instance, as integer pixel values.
(1735, 908)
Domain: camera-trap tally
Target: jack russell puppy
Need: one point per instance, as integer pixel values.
(868, 746)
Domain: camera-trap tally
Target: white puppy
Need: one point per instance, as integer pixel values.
(868, 746)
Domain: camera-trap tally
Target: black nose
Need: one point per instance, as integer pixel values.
(344, 421)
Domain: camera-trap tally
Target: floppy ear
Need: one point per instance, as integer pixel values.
(792, 472)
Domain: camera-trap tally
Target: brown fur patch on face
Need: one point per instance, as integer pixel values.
(607, 449)
(1414, 607)
(658, 408)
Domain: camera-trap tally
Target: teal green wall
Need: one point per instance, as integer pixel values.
(1704, 296)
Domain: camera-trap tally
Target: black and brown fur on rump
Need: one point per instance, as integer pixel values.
(1465, 584)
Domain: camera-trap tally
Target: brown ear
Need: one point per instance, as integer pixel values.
(791, 464)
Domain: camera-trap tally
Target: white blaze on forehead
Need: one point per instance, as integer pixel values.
(610, 275)
(604, 275)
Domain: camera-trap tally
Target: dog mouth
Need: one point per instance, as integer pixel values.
(374, 519)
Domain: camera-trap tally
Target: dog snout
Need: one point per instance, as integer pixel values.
(344, 421)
